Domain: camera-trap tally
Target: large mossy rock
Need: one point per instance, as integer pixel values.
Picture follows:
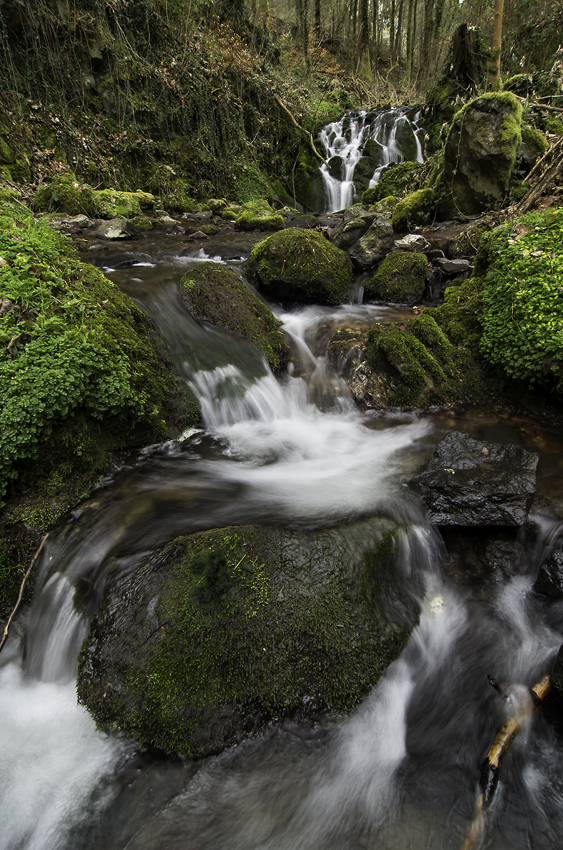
(354, 223)
(470, 482)
(213, 293)
(400, 279)
(415, 209)
(394, 180)
(222, 632)
(479, 155)
(302, 266)
(66, 193)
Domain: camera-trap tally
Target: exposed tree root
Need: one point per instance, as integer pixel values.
(20, 594)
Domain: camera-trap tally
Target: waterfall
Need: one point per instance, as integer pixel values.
(361, 145)
(402, 769)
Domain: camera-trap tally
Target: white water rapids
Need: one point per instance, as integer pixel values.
(402, 770)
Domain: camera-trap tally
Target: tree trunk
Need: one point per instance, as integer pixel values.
(392, 33)
(410, 24)
(497, 44)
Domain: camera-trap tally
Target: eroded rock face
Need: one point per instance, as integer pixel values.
(211, 638)
(374, 245)
(355, 222)
(480, 153)
(469, 482)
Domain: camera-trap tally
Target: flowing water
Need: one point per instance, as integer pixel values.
(380, 138)
(402, 771)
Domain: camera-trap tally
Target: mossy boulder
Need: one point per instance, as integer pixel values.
(213, 293)
(394, 180)
(221, 632)
(399, 279)
(67, 194)
(385, 207)
(114, 204)
(259, 215)
(479, 155)
(532, 147)
(415, 209)
(300, 265)
(354, 223)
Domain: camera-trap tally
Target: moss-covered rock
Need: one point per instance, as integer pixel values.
(81, 375)
(114, 204)
(415, 209)
(241, 626)
(259, 215)
(385, 207)
(479, 155)
(399, 279)
(215, 294)
(66, 194)
(300, 265)
(394, 181)
(532, 147)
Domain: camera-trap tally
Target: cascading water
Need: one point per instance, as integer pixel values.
(402, 770)
(366, 142)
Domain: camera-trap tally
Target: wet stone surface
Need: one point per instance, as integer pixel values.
(469, 482)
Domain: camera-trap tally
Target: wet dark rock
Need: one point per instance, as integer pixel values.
(374, 245)
(550, 578)
(413, 242)
(196, 237)
(453, 267)
(355, 222)
(469, 482)
(219, 633)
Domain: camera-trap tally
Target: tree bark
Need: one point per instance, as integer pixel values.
(497, 45)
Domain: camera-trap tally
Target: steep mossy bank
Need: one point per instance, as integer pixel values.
(495, 338)
(82, 375)
(224, 631)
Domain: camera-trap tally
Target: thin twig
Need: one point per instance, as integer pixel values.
(20, 594)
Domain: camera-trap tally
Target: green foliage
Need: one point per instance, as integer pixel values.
(394, 180)
(553, 125)
(522, 297)
(69, 342)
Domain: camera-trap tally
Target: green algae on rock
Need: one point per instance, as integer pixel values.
(399, 279)
(259, 215)
(300, 265)
(215, 294)
(240, 626)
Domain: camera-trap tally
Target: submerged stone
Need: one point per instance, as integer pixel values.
(221, 632)
(469, 482)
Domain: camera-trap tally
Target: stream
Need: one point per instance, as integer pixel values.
(402, 771)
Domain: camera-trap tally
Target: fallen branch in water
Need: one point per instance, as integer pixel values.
(491, 765)
(20, 594)
(299, 127)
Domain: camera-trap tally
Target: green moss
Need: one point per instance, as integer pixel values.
(415, 209)
(114, 204)
(255, 622)
(215, 294)
(522, 267)
(553, 125)
(74, 344)
(66, 194)
(251, 185)
(142, 222)
(6, 155)
(259, 215)
(9, 195)
(394, 181)
(400, 278)
(301, 265)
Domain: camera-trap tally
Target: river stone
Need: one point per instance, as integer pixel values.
(479, 155)
(355, 222)
(214, 293)
(413, 242)
(117, 228)
(400, 279)
(550, 578)
(469, 482)
(373, 245)
(213, 637)
(300, 265)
